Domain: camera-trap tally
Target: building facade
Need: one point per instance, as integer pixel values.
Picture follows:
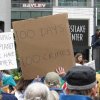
(24, 9)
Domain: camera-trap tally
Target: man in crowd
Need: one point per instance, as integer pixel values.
(81, 80)
(96, 48)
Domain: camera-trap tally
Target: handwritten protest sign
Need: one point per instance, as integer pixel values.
(43, 44)
(7, 51)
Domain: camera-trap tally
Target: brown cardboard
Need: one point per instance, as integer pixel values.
(43, 44)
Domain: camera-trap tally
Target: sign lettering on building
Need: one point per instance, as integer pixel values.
(33, 5)
(79, 30)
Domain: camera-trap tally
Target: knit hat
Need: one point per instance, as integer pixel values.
(80, 78)
(52, 79)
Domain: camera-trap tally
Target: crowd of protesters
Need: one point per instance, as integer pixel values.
(78, 83)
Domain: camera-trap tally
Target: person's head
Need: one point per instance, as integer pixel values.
(79, 58)
(98, 31)
(81, 80)
(37, 91)
(52, 80)
(22, 84)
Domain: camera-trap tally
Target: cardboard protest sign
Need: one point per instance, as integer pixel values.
(43, 44)
(7, 51)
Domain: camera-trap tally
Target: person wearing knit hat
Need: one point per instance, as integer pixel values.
(81, 80)
(3, 95)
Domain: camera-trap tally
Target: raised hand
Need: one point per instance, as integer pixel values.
(60, 71)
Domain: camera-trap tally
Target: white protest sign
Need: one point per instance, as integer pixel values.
(7, 51)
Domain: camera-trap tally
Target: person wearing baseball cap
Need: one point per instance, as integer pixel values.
(81, 80)
(52, 80)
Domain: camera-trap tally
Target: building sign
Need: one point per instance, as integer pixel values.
(34, 5)
(79, 30)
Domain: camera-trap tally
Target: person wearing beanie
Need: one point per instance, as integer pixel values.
(3, 95)
(81, 80)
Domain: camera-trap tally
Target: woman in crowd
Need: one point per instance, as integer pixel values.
(79, 59)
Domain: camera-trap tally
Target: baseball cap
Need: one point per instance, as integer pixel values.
(81, 78)
(52, 79)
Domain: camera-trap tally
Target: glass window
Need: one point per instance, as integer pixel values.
(42, 0)
(82, 3)
(75, 3)
(15, 1)
(98, 16)
(61, 2)
(24, 1)
(72, 2)
(35, 14)
(15, 15)
(98, 3)
(46, 13)
(25, 14)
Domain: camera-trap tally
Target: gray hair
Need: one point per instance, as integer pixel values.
(37, 91)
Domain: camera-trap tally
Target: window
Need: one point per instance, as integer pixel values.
(15, 14)
(98, 3)
(41, 0)
(35, 14)
(72, 2)
(25, 14)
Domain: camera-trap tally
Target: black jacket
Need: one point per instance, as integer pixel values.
(95, 41)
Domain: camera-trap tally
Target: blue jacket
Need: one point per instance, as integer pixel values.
(74, 97)
(6, 96)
